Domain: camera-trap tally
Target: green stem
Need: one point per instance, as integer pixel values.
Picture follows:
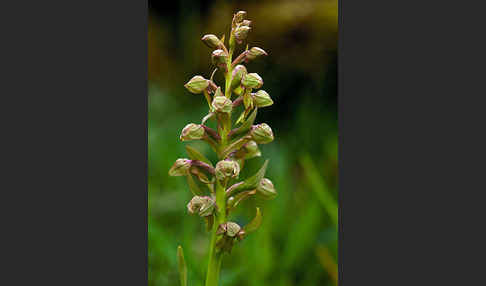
(215, 257)
(214, 263)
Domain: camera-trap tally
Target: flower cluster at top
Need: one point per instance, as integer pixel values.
(233, 138)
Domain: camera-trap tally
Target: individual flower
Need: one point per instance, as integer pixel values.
(255, 52)
(197, 84)
(262, 99)
(211, 41)
(201, 205)
(180, 167)
(261, 133)
(252, 80)
(266, 189)
(222, 104)
(192, 132)
(227, 169)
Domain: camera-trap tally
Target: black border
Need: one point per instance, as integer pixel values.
(76, 160)
(72, 131)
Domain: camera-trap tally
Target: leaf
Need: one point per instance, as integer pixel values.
(200, 175)
(182, 266)
(251, 182)
(320, 188)
(241, 117)
(235, 146)
(193, 185)
(196, 155)
(247, 124)
(209, 222)
(241, 197)
(255, 223)
(247, 100)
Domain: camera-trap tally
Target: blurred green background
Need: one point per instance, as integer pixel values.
(297, 242)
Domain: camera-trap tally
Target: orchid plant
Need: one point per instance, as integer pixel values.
(217, 188)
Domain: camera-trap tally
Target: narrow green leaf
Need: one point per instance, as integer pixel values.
(201, 176)
(196, 155)
(241, 197)
(193, 185)
(247, 100)
(235, 145)
(255, 223)
(182, 266)
(251, 182)
(240, 118)
(247, 124)
(209, 222)
(319, 187)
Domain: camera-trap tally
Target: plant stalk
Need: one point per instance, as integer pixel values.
(215, 257)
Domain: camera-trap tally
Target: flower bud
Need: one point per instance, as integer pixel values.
(252, 150)
(227, 169)
(262, 99)
(252, 80)
(211, 41)
(192, 132)
(246, 23)
(232, 228)
(266, 189)
(229, 228)
(238, 72)
(241, 33)
(197, 84)
(219, 57)
(239, 16)
(180, 167)
(255, 52)
(204, 206)
(248, 151)
(222, 104)
(261, 133)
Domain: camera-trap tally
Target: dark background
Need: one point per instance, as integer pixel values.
(297, 243)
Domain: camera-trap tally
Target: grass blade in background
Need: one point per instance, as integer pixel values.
(327, 262)
(182, 266)
(319, 187)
